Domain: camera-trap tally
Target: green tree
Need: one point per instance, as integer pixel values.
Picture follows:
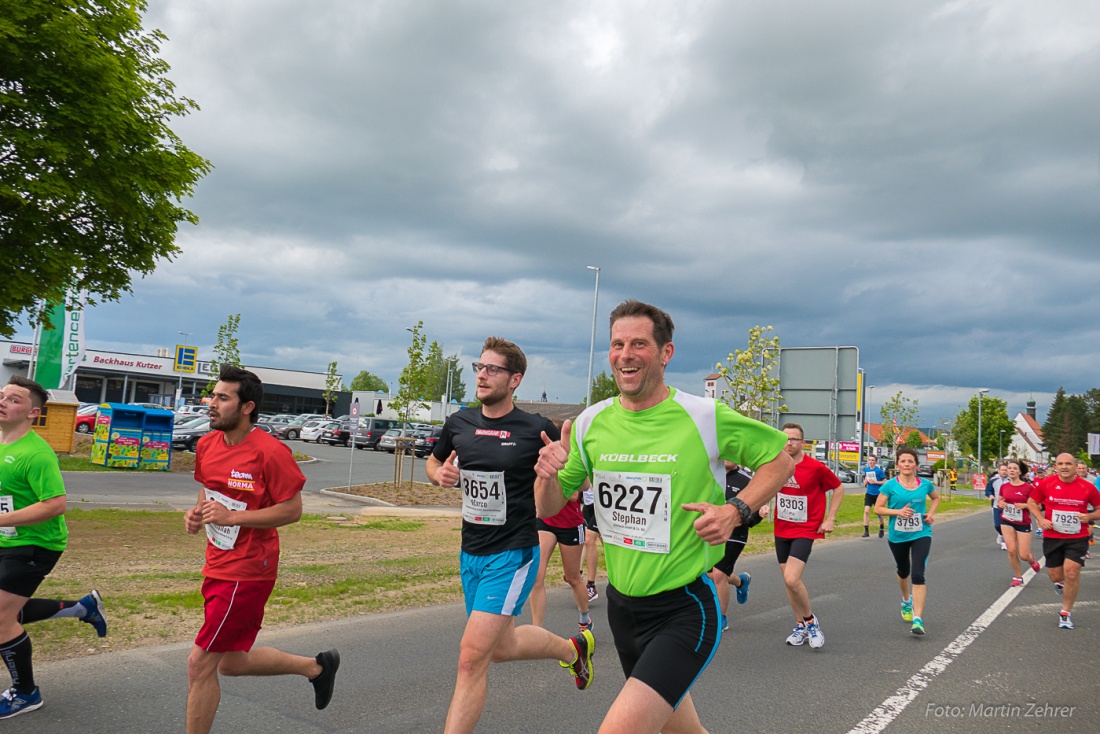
(913, 440)
(368, 382)
(753, 376)
(91, 176)
(1067, 423)
(226, 350)
(439, 367)
(994, 420)
(333, 385)
(898, 414)
(603, 387)
(414, 382)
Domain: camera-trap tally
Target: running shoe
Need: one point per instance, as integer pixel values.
(799, 635)
(813, 631)
(1058, 588)
(1065, 622)
(743, 589)
(13, 703)
(1016, 581)
(865, 534)
(918, 626)
(593, 595)
(581, 668)
(1038, 532)
(881, 531)
(725, 623)
(96, 616)
(325, 682)
(907, 610)
(1003, 546)
(1035, 566)
(585, 625)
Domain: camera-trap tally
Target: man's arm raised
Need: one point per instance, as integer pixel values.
(549, 498)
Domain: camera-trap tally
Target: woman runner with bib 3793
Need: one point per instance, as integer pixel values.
(1016, 520)
(905, 499)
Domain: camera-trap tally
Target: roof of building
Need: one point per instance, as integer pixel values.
(556, 412)
(875, 429)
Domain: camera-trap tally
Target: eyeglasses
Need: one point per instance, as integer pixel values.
(492, 369)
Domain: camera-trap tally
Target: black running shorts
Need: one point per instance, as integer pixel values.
(666, 640)
(1059, 550)
(572, 535)
(797, 547)
(589, 513)
(24, 567)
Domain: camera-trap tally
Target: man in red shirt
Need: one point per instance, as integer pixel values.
(799, 520)
(250, 486)
(1065, 499)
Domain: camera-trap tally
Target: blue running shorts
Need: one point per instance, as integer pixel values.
(499, 583)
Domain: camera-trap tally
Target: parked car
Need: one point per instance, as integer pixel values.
(291, 431)
(371, 430)
(193, 410)
(310, 416)
(85, 418)
(337, 432)
(846, 475)
(426, 443)
(186, 435)
(311, 429)
(391, 437)
(266, 427)
(925, 470)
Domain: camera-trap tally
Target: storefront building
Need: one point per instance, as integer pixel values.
(117, 377)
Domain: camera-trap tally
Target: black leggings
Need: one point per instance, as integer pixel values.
(918, 549)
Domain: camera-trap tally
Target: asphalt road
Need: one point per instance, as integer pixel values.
(168, 490)
(398, 668)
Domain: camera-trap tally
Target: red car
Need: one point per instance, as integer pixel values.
(85, 419)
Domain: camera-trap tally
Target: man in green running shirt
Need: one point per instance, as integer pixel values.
(654, 457)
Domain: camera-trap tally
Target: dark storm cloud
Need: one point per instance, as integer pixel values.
(916, 179)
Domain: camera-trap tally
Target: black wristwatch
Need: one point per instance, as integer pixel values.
(746, 513)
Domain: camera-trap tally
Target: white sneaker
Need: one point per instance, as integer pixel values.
(817, 637)
(1065, 622)
(799, 635)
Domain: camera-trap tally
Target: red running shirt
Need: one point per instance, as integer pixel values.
(1061, 501)
(258, 472)
(800, 504)
(569, 517)
(1014, 494)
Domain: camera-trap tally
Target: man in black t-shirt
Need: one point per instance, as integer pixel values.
(491, 454)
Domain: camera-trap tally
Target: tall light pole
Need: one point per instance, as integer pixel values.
(1001, 447)
(981, 391)
(179, 397)
(592, 344)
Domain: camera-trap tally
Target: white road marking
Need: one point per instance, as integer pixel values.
(892, 707)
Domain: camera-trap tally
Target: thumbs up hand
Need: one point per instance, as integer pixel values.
(553, 454)
(447, 474)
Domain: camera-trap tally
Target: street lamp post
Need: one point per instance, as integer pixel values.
(592, 344)
(1001, 447)
(981, 391)
(179, 395)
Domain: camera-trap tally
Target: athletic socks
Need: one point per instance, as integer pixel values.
(35, 610)
(17, 656)
(586, 618)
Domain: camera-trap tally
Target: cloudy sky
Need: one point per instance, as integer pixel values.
(918, 179)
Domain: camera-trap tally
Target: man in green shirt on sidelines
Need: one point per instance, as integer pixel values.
(654, 456)
(32, 537)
